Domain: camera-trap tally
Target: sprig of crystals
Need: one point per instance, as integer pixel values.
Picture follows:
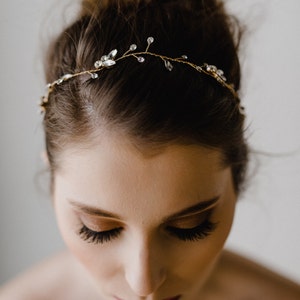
(110, 60)
(217, 73)
(107, 60)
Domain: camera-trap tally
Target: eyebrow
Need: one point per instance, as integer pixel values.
(196, 208)
(94, 211)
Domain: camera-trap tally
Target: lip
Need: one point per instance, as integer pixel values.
(173, 298)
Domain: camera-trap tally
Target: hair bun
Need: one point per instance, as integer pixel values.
(88, 7)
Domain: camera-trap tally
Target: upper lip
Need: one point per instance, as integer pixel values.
(170, 298)
(173, 298)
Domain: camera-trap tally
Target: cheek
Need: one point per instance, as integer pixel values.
(200, 257)
(100, 260)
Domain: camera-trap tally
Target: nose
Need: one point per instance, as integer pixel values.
(145, 271)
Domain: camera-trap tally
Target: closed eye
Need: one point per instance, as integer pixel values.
(98, 237)
(197, 233)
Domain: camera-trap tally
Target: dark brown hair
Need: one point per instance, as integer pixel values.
(145, 101)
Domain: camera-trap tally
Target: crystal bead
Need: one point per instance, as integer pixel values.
(59, 81)
(150, 40)
(108, 63)
(104, 58)
(140, 59)
(133, 47)
(67, 76)
(112, 54)
(213, 68)
(220, 72)
(223, 78)
(168, 65)
(94, 75)
(98, 64)
(184, 57)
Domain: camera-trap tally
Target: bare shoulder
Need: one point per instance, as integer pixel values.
(242, 278)
(51, 279)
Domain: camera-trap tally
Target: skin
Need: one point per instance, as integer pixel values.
(147, 193)
(144, 262)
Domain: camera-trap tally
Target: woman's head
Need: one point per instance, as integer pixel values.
(146, 163)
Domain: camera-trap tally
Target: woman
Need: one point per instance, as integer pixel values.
(146, 148)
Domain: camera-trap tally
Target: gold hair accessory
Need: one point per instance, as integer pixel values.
(110, 60)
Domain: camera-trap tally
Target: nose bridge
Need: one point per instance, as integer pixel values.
(145, 271)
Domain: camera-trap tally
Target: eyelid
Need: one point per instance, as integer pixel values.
(86, 216)
(197, 233)
(198, 212)
(99, 224)
(188, 223)
(190, 217)
(81, 213)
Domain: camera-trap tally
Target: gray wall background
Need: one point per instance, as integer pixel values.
(267, 224)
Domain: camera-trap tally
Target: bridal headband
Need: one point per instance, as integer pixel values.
(111, 59)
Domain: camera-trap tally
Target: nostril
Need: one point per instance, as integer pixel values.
(145, 270)
(145, 281)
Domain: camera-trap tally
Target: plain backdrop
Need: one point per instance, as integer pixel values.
(267, 223)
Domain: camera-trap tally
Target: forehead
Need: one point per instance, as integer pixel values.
(116, 153)
(114, 173)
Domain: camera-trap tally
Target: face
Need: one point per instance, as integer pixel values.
(144, 225)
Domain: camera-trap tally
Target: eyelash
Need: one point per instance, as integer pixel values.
(197, 233)
(100, 237)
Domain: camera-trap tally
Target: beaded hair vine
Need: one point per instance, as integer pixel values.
(109, 60)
